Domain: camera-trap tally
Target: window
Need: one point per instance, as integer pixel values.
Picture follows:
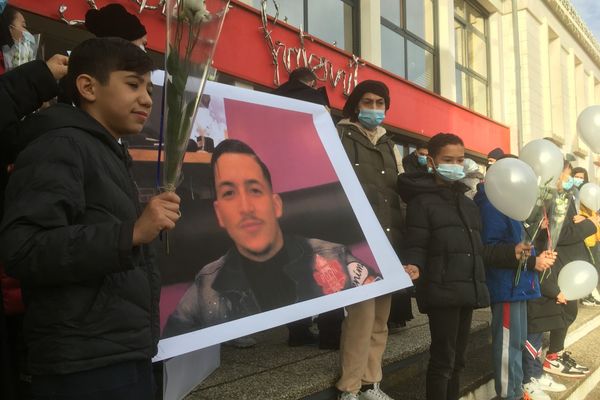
(470, 34)
(408, 40)
(333, 21)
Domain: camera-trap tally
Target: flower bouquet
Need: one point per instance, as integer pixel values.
(534, 222)
(193, 27)
(22, 51)
(560, 207)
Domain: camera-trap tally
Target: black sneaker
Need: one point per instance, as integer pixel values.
(590, 301)
(567, 359)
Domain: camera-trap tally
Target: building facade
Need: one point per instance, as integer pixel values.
(497, 76)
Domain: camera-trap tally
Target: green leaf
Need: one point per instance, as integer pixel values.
(173, 62)
(179, 82)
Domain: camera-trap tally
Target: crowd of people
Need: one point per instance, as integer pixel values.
(74, 235)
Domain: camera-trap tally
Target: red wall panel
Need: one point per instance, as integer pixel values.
(243, 52)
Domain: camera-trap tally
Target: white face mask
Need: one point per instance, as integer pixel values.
(141, 46)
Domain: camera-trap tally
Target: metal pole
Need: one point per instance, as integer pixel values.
(517, 45)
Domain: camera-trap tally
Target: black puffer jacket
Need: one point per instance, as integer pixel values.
(92, 298)
(543, 314)
(443, 239)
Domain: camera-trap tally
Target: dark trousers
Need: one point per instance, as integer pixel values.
(329, 325)
(126, 381)
(558, 336)
(401, 310)
(449, 329)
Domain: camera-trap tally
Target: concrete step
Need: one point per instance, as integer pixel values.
(272, 370)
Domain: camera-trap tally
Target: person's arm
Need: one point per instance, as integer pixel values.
(25, 88)
(572, 233)
(418, 234)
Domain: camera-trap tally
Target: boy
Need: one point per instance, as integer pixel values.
(443, 240)
(75, 236)
(509, 301)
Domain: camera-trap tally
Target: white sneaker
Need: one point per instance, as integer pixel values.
(546, 383)
(348, 396)
(374, 394)
(534, 392)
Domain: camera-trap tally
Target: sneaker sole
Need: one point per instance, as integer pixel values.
(560, 373)
(550, 389)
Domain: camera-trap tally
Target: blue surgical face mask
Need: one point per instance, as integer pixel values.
(422, 160)
(450, 172)
(578, 182)
(2, 5)
(568, 184)
(371, 118)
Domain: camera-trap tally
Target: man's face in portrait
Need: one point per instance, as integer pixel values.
(246, 206)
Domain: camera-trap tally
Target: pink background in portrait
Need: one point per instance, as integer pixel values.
(272, 133)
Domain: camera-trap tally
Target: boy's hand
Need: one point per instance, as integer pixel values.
(579, 218)
(412, 271)
(522, 250)
(161, 213)
(57, 64)
(545, 260)
(544, 224)
(560, 299)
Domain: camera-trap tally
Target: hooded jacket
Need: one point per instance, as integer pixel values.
(498, 228)
(443, 239)
(71, 204)
(377, 166)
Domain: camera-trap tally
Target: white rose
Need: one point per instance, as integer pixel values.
(193, 6)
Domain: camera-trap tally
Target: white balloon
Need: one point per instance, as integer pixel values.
(577, 279)
(545, 159)
(589, 195)
(588, 127)
(511, 186)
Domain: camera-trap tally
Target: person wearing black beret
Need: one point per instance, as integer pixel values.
(114, 20)
(377, 164)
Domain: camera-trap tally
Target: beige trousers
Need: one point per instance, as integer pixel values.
(364, 336)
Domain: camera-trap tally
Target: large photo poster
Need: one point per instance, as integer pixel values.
(275, 230)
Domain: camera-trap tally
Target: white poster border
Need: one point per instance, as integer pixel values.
(394, 276)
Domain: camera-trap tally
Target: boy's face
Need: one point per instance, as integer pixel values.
(449, 154)
(122, 105)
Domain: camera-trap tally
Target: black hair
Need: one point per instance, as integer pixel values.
(99, 57)
(441, 140)
(577, 170)
(6, 19)
(369, 86)
(421, 145)
(303, 74)
(235, 146)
